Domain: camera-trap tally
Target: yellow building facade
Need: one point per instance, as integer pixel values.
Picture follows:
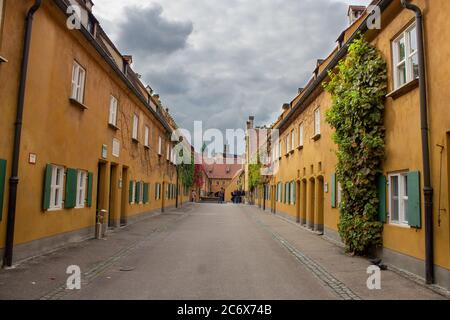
(93, 139)
(305, 188)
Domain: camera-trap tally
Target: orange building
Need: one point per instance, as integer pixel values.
(87, 136)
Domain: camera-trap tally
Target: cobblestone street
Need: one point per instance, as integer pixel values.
(206, 251)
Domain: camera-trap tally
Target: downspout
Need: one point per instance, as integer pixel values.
(176, 191)
(14, 179)
(428, 190)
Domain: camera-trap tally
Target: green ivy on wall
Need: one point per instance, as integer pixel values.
(358, 89)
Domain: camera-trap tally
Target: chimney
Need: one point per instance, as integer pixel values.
(128, 59)
(89, 4)
(300, 90)
(286, 106)
(251, 122)
(354, 13)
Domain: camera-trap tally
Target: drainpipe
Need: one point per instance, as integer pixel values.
(428, 190)
(176, 191)
(14, 179)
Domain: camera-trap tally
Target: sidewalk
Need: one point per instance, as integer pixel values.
(344, 274)
(43, 277)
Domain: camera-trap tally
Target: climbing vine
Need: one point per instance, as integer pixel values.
(358, 89)
(254, 174)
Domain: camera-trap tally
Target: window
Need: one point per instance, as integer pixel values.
(398, 198)
(300, 135)
(159, 146)
(339, 193)
(279, 192)
(158, 191)
(78, 81)
(287, 143)
(292, 139)
(81, 189)
(56, 188)
(113, 111)
(146, 138)
(406, 63)
(133, 192)
(116, 148)
(168, 151)
(317, 122)
(1, 19)
(141, 193)
(135, 127)
(278, 149)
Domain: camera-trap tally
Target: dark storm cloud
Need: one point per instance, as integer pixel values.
(146, 31)
(244, 57)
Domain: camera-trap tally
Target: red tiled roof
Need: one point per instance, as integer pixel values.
(222, 171)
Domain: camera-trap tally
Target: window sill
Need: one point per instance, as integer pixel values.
(406, 88)
(78, 104)
(136, 141)
(147, 147)
(291, 152)
(113, 126)
(316, 137)
(3, 60)
(400, 225)
(53, 209)
(300, 148)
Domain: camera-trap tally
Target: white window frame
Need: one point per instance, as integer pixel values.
(78, 82)
(2, 3)
(286, 143)
(292, 139)
(160, 146)
(317, 121)
(57, 188)
(147, 137)
(135, 126)
(133, 192)
(81, 189)
(339, 193)
(141, 192)
(168, 151)
(409, 56)
(301, 129)
(402, 199)
(113, 109)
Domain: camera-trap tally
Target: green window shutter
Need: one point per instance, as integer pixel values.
(71, 188)
(145, 192)
(47, 187)
(90, 189)
(130, 193)
(333, 191)
(156, 191)
(414, 210)
(381, 190)
(138, 192)
(2, 185)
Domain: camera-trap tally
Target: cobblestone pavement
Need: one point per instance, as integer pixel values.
(206, 251)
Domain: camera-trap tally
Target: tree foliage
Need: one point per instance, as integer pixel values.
(358, 89)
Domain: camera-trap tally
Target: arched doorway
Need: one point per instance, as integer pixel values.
(312, 203)
(319, 216)
(299, 200)
(303, 202)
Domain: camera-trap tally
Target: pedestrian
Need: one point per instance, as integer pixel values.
(194, 196)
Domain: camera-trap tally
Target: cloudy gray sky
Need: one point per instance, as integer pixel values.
(223, 60)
